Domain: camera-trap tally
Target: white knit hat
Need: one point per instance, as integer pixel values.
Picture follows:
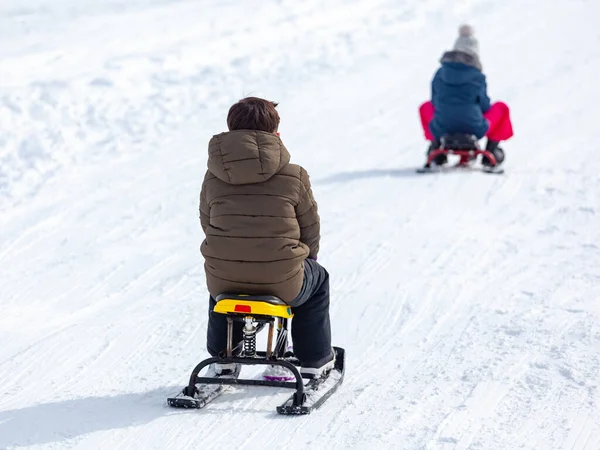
(466, 42)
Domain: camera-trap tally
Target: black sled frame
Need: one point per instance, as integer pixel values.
(202, 389)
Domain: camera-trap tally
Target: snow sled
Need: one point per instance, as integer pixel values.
(467, 148)
(256, 312)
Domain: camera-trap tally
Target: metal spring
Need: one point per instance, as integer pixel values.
(249, 338)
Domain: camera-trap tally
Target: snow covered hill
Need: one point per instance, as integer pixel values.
(469, 304)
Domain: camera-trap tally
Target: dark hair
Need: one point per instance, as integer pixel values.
(253, 113)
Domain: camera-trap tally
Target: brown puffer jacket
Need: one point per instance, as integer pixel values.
(259, 216)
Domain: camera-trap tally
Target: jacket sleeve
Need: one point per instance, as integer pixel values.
(204, 210)
(434, 82)
(484, 100)
(308, 216)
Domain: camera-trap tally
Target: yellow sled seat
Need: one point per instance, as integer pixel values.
(253, 305)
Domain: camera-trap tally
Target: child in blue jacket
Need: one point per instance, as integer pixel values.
(460, 102)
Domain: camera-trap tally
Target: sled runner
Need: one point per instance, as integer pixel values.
(256, 312)
(467, 148)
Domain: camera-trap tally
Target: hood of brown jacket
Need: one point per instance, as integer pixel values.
(246, 156)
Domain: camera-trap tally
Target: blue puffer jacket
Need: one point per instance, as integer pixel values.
(459, 96)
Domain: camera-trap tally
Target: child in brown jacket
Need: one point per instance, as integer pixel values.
(262, 232)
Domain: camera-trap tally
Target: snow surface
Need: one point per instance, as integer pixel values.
(468, 304)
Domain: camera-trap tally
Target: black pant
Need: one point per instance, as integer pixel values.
(311, 327)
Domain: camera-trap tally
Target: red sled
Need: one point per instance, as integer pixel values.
(467, 148)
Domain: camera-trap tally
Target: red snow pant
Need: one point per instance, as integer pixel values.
(498, 116)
